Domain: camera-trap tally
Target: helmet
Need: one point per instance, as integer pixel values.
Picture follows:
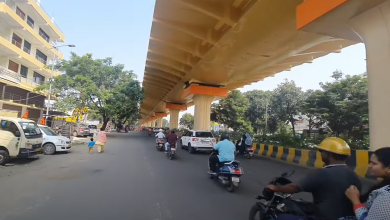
(335, 145)
(160, 130)
(224, 136)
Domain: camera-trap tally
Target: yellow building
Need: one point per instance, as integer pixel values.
(27, 37)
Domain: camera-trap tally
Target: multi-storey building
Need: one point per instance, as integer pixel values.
(27, 36)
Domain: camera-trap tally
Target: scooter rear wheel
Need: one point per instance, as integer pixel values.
(230, 187)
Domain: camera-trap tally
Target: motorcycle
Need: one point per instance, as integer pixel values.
(171, 153)
(228, 174)
(160, 144)
(273, 204)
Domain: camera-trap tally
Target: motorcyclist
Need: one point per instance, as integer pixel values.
(159, 135)
(327, 184)
(171, 140)
(246, 140)
(226, 152)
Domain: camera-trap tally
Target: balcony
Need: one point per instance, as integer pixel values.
(22, 100)
(34, 8)
(18, 20)
(10, 75)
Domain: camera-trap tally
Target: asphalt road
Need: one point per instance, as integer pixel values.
(130, 180)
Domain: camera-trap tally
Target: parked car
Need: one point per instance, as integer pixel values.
(74, 129)
(198, 141)
(92, 129)
(52, 142)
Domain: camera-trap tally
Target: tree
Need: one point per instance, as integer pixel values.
(187, 120)
(165, 123)
(310, 109)
(343, 104)
(89, 82)
(287, 101)
(259, 111)
(232, 110)
(125, 102)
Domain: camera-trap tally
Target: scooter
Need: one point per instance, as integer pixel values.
(272, 204)
(160, 144)
(248, 153)
(228, 174)
(171, 152)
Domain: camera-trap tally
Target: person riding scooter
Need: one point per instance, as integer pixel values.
(226, 152)
(159, 135)
(171, 140)
(246, 141)
(328, 184)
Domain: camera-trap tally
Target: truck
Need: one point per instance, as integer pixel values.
(19, 138)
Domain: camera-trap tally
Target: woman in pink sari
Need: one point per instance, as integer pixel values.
(101, 140)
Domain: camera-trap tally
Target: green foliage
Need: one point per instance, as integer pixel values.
(165, 123)
(340, 106)
(231, 111)
(98, 84)
(187, 120)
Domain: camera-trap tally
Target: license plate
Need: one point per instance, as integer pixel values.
(236, 179)
(251, 153)
(160, 145)
(173, 149)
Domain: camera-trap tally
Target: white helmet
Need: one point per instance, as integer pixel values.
(160, 130)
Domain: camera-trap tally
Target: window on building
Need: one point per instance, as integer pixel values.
(38, 78)
(16, 40)
(23, 71)
(13, 66)
(41, 57)
(30, 21)
(27, 47)
(44, 35)
(20, 13)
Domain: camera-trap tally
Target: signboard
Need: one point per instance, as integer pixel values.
(10, 75)
(216, 128)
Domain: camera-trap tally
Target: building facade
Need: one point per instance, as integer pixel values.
(27, 37)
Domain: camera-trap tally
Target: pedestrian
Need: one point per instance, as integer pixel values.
(101, 140)
(90, 145)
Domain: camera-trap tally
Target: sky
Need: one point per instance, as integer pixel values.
(121, 28)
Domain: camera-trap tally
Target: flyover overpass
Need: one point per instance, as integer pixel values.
(201, 49)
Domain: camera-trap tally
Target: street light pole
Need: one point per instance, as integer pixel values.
(51, 77)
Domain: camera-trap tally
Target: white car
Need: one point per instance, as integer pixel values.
(52, 142)
(198, 141)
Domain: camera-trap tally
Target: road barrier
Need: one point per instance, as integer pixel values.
(358, 161)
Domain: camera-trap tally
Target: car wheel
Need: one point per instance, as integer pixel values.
(49, 149)
(181, 144)
(4, 157)
(191, 150)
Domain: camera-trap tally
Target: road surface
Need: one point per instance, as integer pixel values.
(131, 180)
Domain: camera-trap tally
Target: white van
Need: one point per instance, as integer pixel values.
(52, 142)
(20, 138)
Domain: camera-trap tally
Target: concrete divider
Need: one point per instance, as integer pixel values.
(358, 161)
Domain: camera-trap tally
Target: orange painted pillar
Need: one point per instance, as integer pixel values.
(203, 96)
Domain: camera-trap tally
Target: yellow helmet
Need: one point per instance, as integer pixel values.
(335, 145)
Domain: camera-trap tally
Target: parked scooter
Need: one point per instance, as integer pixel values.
(171, 152)
(273, 204)
(160, 144)
(228, 174)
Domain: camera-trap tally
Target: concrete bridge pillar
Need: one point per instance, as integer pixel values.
(174, 110)
(368, 23)
(160, 116)
(203, 96)
(373, 27)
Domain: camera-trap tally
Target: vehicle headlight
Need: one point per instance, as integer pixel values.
(62, 141)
